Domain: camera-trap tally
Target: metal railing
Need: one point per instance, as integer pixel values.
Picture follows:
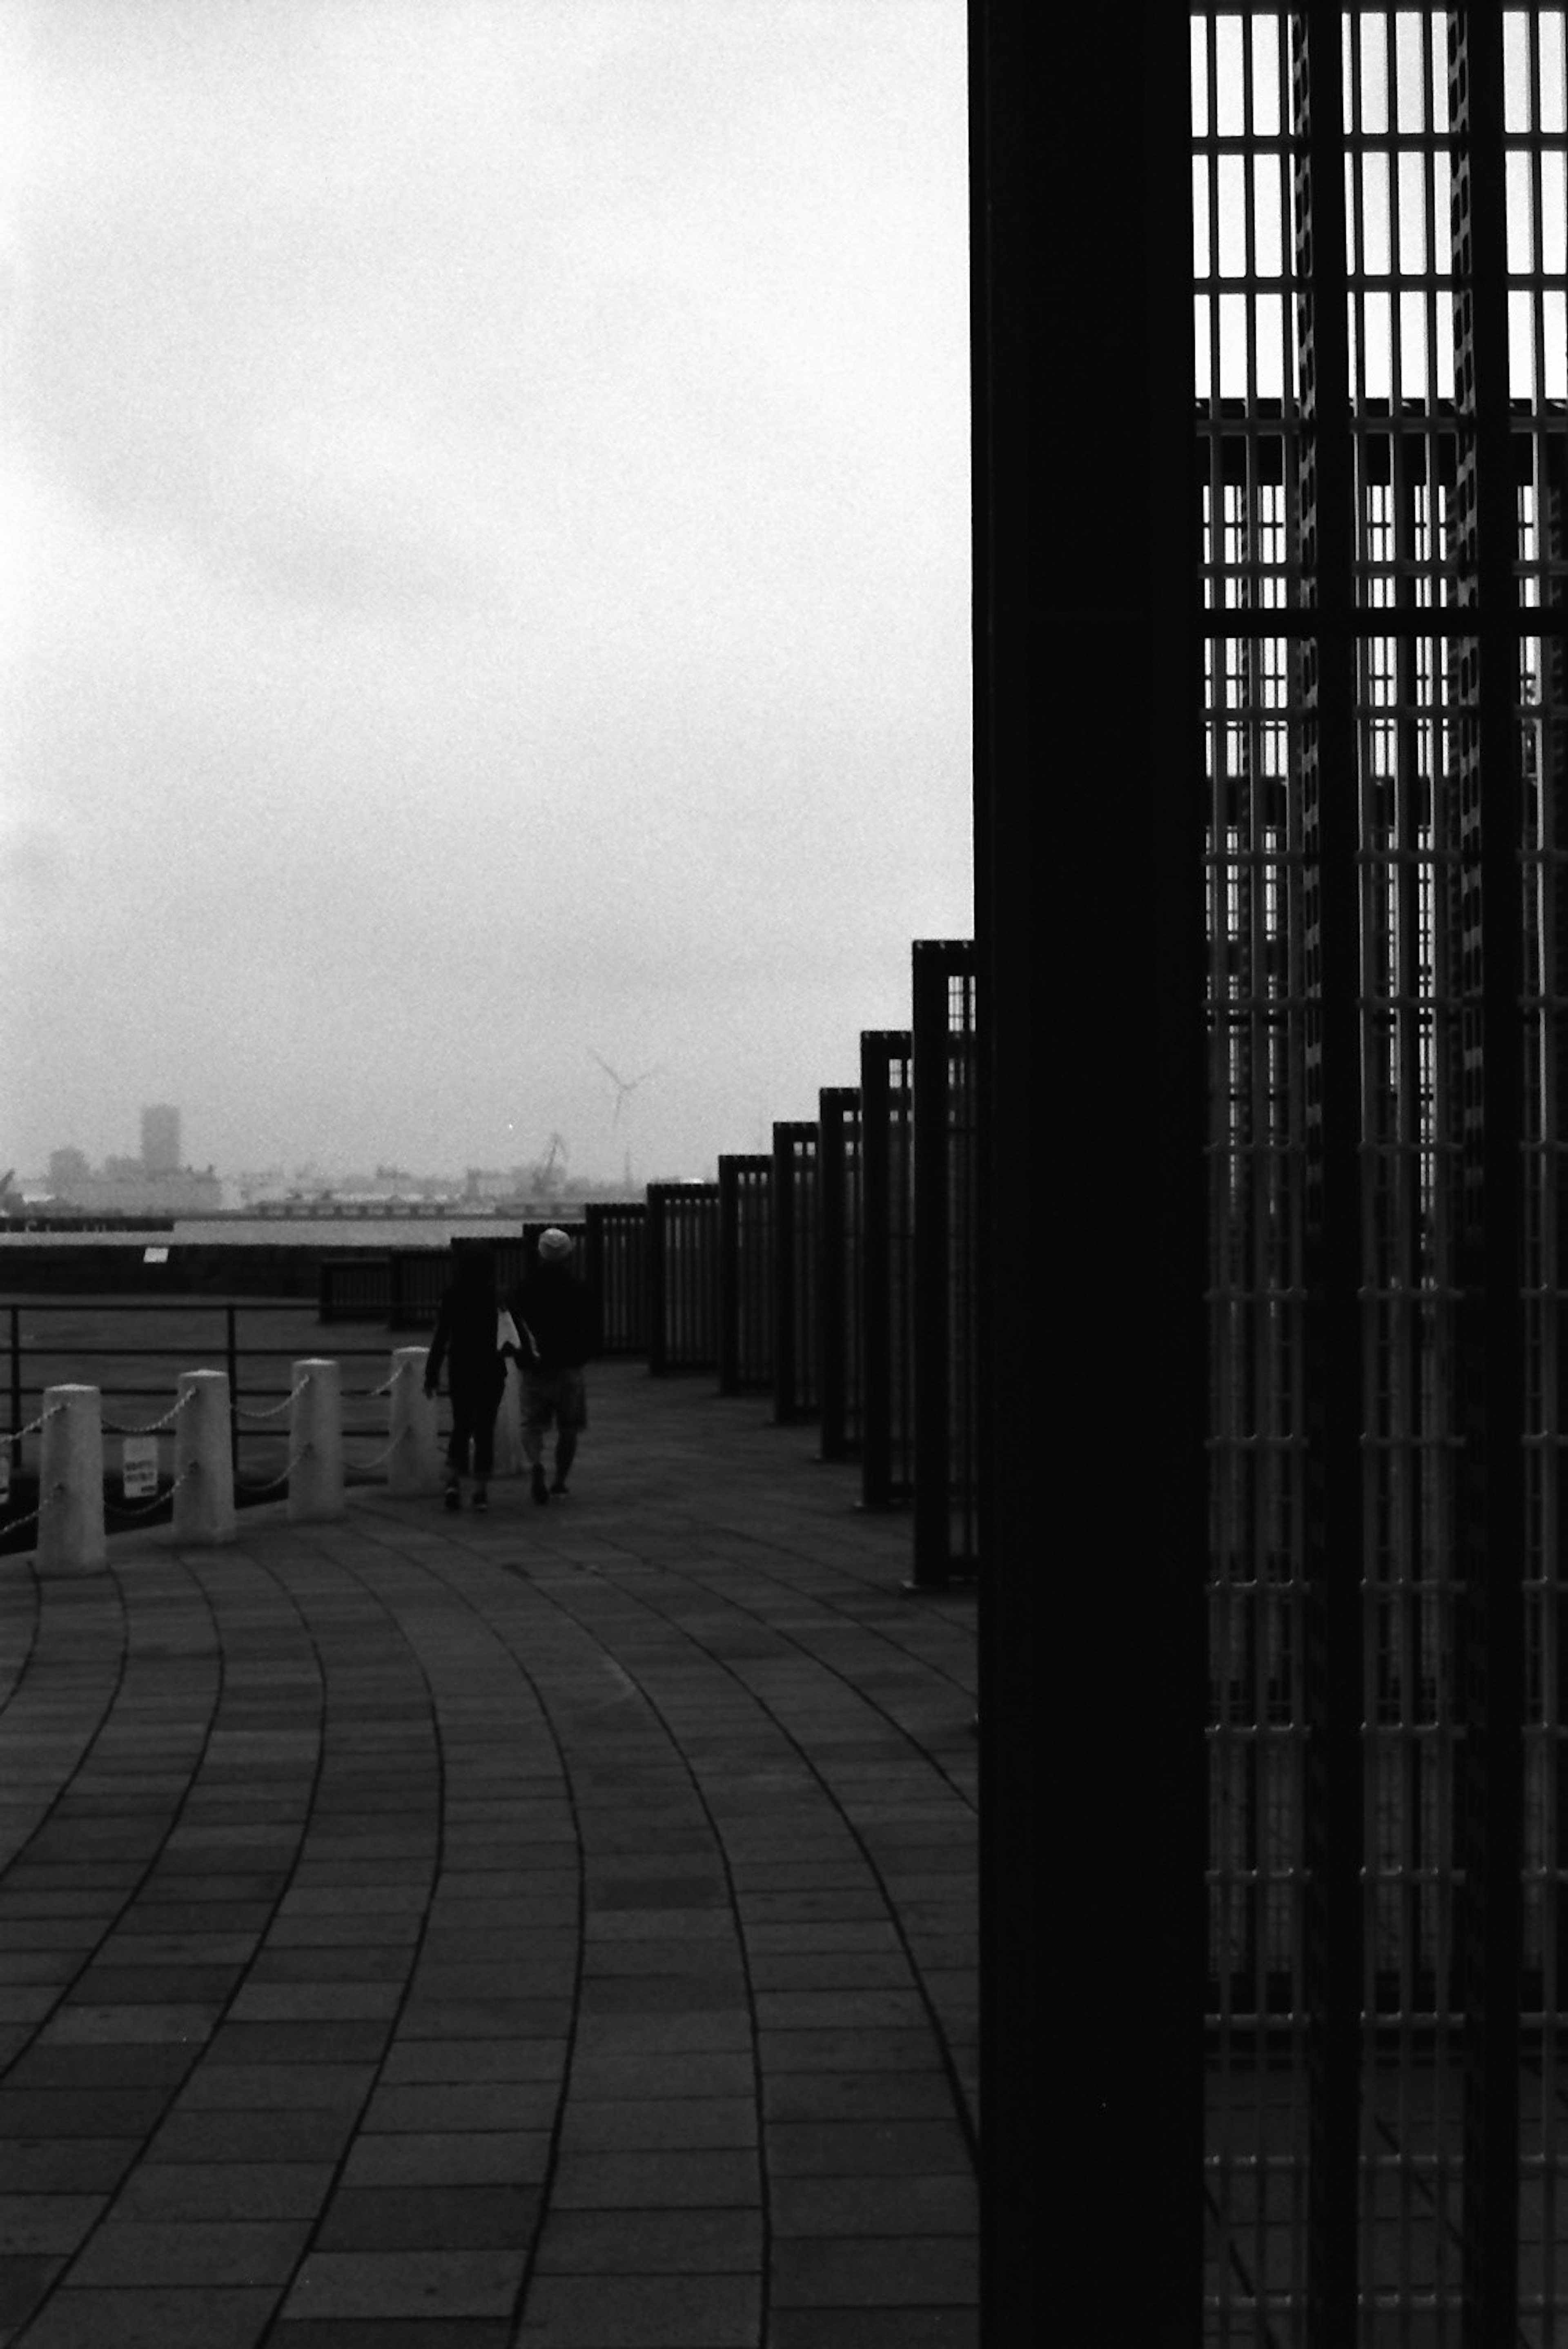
(255, 1403)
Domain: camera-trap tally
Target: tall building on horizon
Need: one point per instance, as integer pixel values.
(160, 1140)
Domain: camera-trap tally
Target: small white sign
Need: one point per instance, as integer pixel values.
(141, 1467)
(155, 1256)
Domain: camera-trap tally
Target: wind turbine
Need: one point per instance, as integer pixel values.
(623, 1086)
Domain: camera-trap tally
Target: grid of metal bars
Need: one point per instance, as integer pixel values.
(838, 1316)
(796, 1202)
(615, 1244)
(886, 1266)
(947, 1543)
(682, 1267)
(745, 1275)
(1381, 265)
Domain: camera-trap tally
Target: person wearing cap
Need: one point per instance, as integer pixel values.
(551, 1307)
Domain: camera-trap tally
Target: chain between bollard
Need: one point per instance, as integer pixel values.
(272, 1483)
(278, 1409)
(113, 1427)
(16, 1433)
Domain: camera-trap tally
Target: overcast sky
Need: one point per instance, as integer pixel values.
(486, 568)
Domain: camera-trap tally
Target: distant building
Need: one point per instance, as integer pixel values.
(67, 1168)
(161, 1139)
(179, 1194)
(123, 1170)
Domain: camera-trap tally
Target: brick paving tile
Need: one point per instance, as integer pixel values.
(346, 2040)
(79, 2112)
(33, 2224)
(461, 2104)
(470, 2157)
(885, 2272)
(625, 2126)
(389, 2284)
(25, 2278)
(250, 2190)
(834, 2050)
(407, 2332)
(652, 2242)
(873, 2206)
(649, 2311)
(859, 2096)
(867, 2328)
(82, 2165)
(651, 2181)
(430, 2218)
(223, 2252)
(338, 2088)
(113, 2318)
(702, 2073)
(278, 2134)
(443, 2061)
(854, 2149)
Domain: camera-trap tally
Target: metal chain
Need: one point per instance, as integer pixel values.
(112, 1426)
(33, 1426)
(360, 1465)
(278, 1410)
(274, 1482)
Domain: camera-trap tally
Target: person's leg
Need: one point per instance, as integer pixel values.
(457, 1451)
(483, 1453)
(538, 1408)
(571, 1417)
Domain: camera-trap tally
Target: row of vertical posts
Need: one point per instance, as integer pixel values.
(837, 1273)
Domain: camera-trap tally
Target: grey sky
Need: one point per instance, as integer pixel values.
(486, 566)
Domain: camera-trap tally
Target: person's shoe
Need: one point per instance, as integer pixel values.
(453, 1496)
(541, 1490)
(480, 1497)
(558, 1485)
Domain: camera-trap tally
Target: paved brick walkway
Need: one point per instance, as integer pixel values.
(549, 1928)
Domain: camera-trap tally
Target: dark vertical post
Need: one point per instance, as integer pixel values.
(1491, 1340)
(837, 1274)
(797, 1206)
(884, 1300)
(730, 1275)
(654, 1280)
(1331, 839)
(1089, 800)
(16, 1420)
(932, 1269)
(232, 1358)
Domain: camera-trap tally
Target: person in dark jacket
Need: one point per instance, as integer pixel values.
(555, 1323)
(465, 1339)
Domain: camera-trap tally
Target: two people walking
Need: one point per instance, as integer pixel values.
(546, 1324)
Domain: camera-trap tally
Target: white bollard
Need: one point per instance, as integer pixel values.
(509, 1426)
(203, 1460)
(414, 1466)
(316, 1443)
(70, 1481)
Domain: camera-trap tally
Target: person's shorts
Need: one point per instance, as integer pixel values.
(558, 1395)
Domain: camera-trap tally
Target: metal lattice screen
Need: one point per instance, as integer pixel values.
(1386, 804)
